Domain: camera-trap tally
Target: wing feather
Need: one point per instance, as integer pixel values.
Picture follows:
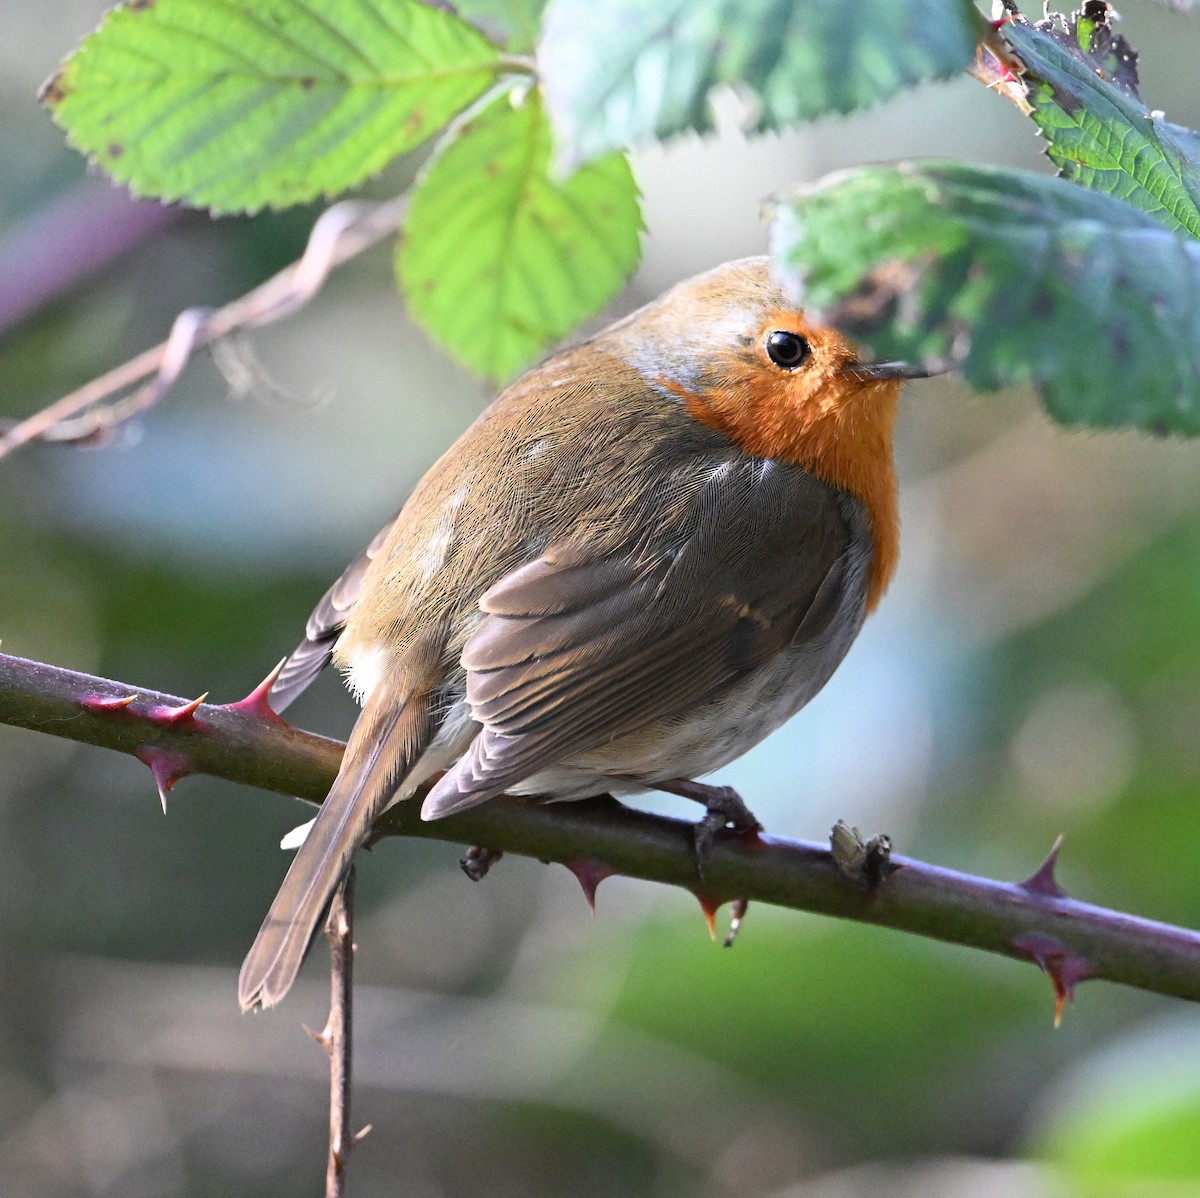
(579, 649)
(324, 626)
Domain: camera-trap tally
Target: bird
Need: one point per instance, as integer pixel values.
(647, 553)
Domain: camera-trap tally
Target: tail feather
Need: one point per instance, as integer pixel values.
(386, 740)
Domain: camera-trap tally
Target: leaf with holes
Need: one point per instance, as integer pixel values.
(622, 72)
(1012, 277)
(264, 102)
(1081, 80)
(500, 257)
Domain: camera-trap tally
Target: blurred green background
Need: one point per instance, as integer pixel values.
(1035, 670)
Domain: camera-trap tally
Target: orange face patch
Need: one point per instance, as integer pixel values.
(819, 416)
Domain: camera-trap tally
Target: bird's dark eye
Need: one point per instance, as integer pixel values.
(786, 349)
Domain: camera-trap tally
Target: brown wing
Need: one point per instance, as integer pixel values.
(578, 650)
(325, 624)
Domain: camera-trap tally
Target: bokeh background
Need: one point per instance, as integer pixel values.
(1034, 671)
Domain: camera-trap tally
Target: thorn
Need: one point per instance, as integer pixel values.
(1042, 880)
(256, 704)
(737, 912)
(589, 874)
(106, 702)
(363, 1132)
(322, 1038)
(709, 907)
(176, 715)
(166, 766)
(1064, 968)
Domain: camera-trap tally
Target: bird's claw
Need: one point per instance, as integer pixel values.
(737, 912)
(477, 860)
(724, 809)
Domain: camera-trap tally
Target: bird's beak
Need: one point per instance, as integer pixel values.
(880, 371)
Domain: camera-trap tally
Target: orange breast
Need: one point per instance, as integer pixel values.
(839, 430)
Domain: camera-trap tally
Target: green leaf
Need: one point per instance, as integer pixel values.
(241, 105)
(500, 257)
(619, 73)
(514, 22)
(1082, 84)
(1014, 278)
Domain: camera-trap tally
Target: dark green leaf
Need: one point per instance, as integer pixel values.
(1014, 278)
(619, 73)
(1082, 84)
(500, 257)
(241, 105)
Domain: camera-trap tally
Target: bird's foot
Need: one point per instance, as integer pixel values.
(724, 810)
(477, 861)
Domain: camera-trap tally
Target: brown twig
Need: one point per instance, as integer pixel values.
(339, 928)
(1031, 920)
(336, 1037)
(341, 233)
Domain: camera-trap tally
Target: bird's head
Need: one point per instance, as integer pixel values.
(743, 359)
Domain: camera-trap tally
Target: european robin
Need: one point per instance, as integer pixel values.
(642, 557)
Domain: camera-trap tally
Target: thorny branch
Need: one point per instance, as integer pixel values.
(336, 1038)
(341, 233)
(246, 742)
